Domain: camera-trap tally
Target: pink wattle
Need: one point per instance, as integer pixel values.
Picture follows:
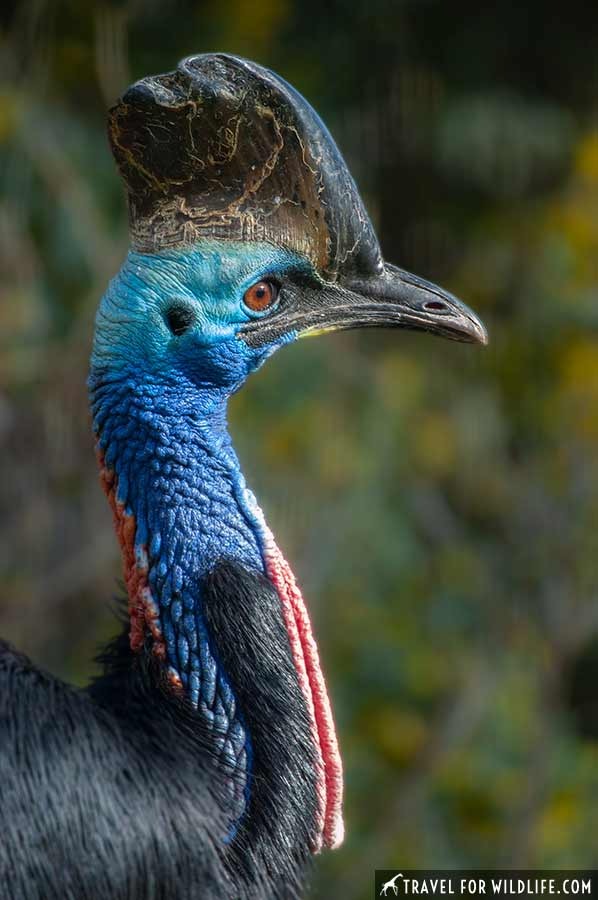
(305, 652)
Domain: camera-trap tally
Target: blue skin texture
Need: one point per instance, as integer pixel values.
(159, 404)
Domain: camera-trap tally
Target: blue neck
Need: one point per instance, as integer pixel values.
(178, 474)
(179, 478)
(159, 397)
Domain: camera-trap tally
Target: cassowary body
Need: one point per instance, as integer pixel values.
(203, 763)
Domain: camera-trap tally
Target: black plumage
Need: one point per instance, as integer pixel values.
(109, 793)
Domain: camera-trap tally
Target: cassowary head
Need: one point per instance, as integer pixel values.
(247, 232)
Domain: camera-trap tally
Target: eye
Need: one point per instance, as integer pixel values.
(179, 319)
(261, 295)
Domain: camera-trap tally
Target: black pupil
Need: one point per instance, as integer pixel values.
(261, 292)
(179, 319)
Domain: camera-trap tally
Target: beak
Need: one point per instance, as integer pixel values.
(390, 298)
(396, 299)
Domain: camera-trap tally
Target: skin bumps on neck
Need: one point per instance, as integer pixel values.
(180, 501)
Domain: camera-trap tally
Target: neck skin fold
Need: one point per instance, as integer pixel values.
(180, 505)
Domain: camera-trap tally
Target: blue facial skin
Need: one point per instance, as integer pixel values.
(159, 405)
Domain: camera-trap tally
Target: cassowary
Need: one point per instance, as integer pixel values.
(203, 762)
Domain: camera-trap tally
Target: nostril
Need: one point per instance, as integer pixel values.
(435, 306)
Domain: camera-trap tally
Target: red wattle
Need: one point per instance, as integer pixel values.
(305, 653)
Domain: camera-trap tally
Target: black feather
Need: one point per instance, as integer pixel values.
(278, 831)
(112, 793)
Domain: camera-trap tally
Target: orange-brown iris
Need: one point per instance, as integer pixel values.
(260, 295)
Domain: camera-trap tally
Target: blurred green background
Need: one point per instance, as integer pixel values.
(438, 502)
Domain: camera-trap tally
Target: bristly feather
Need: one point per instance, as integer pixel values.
(112, 793)
(278, 831)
